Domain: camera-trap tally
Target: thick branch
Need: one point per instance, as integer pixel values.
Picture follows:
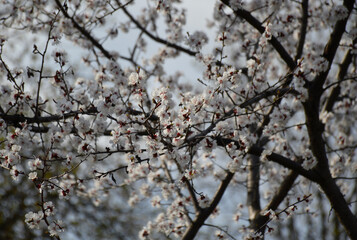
(261, 220)
(315, 131)
(282, 192)
(253, 195)
(339, 204)
(311, 106)
(274, 157)
(340, 76)
(16, 119)
(303, 28)
(277, 199)
(285, 162)
(329, 53)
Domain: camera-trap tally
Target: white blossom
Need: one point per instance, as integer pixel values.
(196, 40)
(33, 219)
(32, 175)
(55, 228)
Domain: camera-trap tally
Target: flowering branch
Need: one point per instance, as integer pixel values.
(158, 39)
(334, 94)
(271, 215)
(206, 212)
(316, 128)
(85, 33)
(131, 129)
(240, 12)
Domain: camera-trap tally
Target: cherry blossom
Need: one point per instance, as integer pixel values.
(127, 120)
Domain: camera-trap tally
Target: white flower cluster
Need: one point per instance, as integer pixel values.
(266, 36)
(196, 40)
(33, 219)
(127, 123)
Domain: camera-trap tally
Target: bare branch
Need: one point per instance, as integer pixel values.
(303, 28)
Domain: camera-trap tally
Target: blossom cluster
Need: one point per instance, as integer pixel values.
(125, 136)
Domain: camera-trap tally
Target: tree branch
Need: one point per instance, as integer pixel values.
(253, 194)
(277, 199)
(316, 128)
(206, 212)
(282, 192)
(339, 204)
(84, 32)
(285, 162)
(258, 25)
(274, 157)
(340, 76)
(303, 28)
(312, 105)
(16, 119)
(158, 39)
